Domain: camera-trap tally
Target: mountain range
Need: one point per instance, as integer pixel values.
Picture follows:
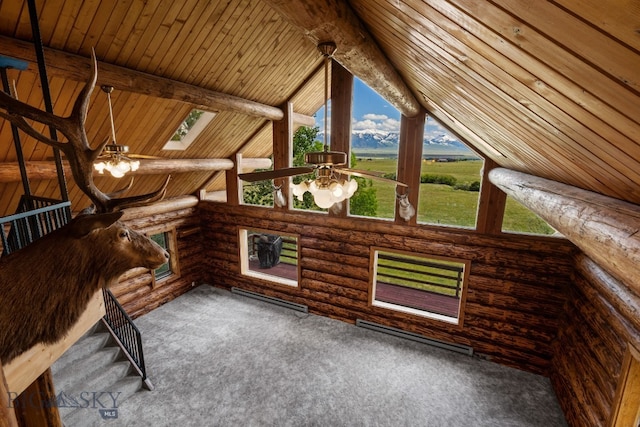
(375, 140)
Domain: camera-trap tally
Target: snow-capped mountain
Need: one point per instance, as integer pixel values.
(370, 139)
(373, 139)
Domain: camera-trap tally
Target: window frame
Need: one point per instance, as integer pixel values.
(243, 256)
(425, 314)
(171, 242)
(192, 133)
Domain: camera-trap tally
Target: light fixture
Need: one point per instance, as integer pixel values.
(328, 188)
(115, 161)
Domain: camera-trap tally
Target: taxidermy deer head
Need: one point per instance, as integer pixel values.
(77, 149)
(46, 286)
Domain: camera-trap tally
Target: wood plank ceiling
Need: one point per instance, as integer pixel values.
(550, 88)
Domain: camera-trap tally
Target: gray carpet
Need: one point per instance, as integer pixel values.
(219, 359)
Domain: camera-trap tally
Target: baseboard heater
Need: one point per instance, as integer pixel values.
(459, 348)
(277, 301)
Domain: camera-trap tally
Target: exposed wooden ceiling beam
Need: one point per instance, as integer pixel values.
(74, 67)
(327, 20)
(36, 170)
(606, 229)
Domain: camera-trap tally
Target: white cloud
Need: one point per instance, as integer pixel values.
(378, 122)
(372, 116)
(364, 124)
(391, 125)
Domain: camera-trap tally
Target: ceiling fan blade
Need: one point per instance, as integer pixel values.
(277, 173)
(129, 155)
(369, 174)
(143, 156)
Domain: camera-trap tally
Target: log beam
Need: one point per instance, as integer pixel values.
(39, 170)
(33, 407)
(325, 20)
(605, 229)
(159, 208)
(7, 414)
(491, 204)
(410, 161)
(341, 113)
(282, 151)
(74, 67)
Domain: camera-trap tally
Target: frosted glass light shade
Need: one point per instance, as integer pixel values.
(326, 195)
(117, 167)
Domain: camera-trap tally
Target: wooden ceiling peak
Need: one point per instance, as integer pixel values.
(357, 51)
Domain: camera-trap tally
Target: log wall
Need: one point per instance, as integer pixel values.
(602, 317)
(136, 291)
(516, 290)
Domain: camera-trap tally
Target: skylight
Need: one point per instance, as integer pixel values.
(189, 129)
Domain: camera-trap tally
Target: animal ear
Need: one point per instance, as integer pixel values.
(84, 224)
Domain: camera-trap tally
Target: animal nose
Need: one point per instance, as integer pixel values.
(166, 255)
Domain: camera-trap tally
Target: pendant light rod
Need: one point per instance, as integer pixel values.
(115, 162)
(326, 101)
(327, 49)
(108, 90)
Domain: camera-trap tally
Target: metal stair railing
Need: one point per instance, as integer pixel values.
(38, 216)
(35, 217)
(126, 334)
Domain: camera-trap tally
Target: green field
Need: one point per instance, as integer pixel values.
(442, 204)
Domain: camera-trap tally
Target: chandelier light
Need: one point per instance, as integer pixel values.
(329, 187)
(326, 189)
(113, 155)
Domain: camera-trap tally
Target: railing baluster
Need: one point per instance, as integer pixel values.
(127, 333)
(50, 215)
(25, 226)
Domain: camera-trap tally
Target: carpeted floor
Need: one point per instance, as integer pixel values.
(219, 359)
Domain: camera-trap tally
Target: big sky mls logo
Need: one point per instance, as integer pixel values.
(106, 402)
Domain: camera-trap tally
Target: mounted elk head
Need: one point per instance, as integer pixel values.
(77, 149)
(46, 286)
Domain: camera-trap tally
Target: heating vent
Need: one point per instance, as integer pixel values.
(277, 301)
(459, 348)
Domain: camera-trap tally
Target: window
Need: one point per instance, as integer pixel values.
(167, 240)
(259, 193)
(375, 144)
(450, 179)
(423, 285)
(269, 256)
(305, 140)
(189, 129)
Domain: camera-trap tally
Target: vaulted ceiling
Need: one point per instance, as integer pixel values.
(550, 88)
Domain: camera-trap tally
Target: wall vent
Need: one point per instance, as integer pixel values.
(277, 301)
(459, 348)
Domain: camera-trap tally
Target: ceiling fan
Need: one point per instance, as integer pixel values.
(115, 158)
(331, 184)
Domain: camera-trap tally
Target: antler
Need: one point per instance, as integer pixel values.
(77, 150)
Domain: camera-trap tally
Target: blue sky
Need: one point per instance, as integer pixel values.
(372, 112)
